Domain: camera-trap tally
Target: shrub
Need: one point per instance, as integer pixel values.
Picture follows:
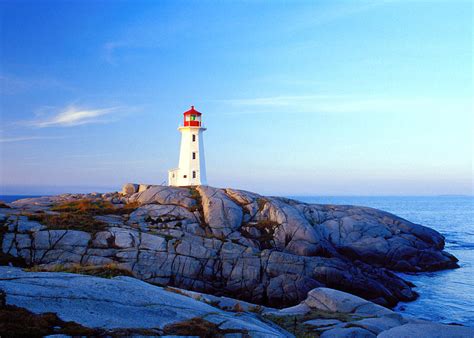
(238, 307)
(175, 290)
(19, 322)
(198, 327)
(94, 207)
(79, 215)
(296, 323)
(69, 221)
(198, 207)
(105, 271)
(261, 203)
(256, 309)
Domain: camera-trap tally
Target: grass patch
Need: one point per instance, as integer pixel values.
(105, 271)
(261, 203)
(79, 215)
(195, 195)
(175, 290)
(256, 309)
(295, 323)
(69, 221)
(198, 327)
(238, 307)
(199, 208)
(19, 322)
(95, 207)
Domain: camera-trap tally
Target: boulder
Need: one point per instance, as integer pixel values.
(337, 301)
(379, 238)
(164, 195)
(129, 189)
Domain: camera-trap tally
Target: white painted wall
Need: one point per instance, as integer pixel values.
(183, 175)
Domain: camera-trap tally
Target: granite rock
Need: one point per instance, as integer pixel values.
(266, 250)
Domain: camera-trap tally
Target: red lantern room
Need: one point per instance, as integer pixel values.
(192, 118)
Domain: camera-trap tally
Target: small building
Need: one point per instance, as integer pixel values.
(192, 166)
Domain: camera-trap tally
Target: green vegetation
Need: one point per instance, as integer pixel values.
(295, 323)
(19, 322)
(214, 303)
(256, 309)
(261, 203)
(198, 327)
(69, 221)
(195, 195)
(105, 271)
(238, 307)
(79, 215)
(94, 207)
(175, 290)
(199, 208)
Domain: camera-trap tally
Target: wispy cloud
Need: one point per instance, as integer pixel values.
(74, 116)
(346, 104)
(28, 138)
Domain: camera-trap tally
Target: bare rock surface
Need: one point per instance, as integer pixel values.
(339, 314)
(227, 242)
(125, 303)
(428, 330)
(121, 302)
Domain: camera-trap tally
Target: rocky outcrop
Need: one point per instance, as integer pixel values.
(339, 314)
(126, 306)
(121, 303)
(266, 250)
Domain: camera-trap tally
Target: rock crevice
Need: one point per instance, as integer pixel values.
(266, 250)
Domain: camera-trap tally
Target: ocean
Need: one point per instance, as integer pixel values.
(445, 296)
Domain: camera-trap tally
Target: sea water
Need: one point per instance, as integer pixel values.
(446, 296)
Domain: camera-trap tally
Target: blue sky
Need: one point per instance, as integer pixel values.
(299, 97)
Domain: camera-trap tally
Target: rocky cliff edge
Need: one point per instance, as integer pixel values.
(227, 242)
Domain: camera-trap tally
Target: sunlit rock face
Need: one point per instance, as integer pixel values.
(127, 306)
(266, 250)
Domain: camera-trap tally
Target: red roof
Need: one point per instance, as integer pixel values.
(192, 111)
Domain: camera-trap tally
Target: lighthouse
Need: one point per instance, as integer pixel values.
(192, 166)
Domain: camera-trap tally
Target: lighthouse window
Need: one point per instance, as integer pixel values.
(194, 138)
(194, 174)
(194, 156)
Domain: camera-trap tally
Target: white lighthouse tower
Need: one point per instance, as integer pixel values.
(192, 166)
